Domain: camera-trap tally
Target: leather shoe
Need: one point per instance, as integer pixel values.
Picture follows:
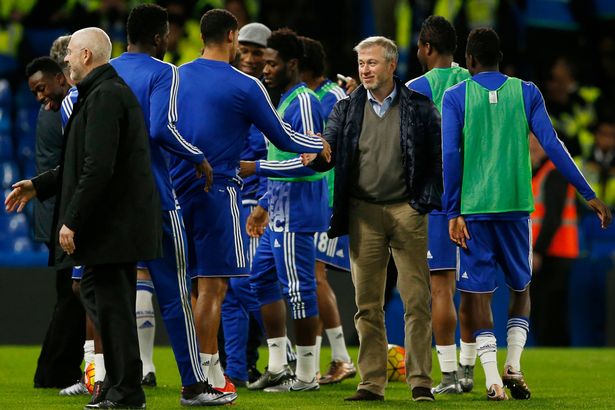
(422, 394)
(108, 404)
(365, 395)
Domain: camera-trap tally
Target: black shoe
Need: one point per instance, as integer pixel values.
(98, 394)
(149, 380)
(365, 395)
(238, 383)
(108, 404)
(253, 374)
(422, 394)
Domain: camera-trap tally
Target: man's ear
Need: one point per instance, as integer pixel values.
(157, 40)
(428, 49)
(230, 36)
(293, 63)
(60, 78)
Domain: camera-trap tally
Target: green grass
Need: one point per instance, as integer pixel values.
(559, 378)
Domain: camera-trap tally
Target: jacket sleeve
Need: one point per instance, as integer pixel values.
(101, 142)
(46, 184)
(431, 196)
(163, 118)
(333, 133)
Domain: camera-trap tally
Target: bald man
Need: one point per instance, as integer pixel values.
(107, 212)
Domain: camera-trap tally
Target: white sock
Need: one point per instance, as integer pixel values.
(306, 363)
(338, 344)
(146, 324)
(88, 353)
(447, 357)
(317, 354)
(516, 336)
(467, 353)
(486, 345)
(277, 354)
(216, 375)
(99, 367)
(205, 364)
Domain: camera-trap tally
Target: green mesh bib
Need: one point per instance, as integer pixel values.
(276, 154)
(497, 172)
(440, 79)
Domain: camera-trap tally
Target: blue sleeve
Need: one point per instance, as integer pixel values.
(541, 126)
(262, 193)
(292, 168)
(327, 103)
(453, 107)
(66, 109)
(163, 117)
(260, 111)
(420, 85)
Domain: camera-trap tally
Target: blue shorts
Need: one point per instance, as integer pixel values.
(286, 260)
(442, 252)
(333, 251)
(215, 226)
(493, 245)
(77, 273)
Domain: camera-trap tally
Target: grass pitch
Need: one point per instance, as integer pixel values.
(559, 378)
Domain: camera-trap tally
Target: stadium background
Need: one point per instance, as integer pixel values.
(566, 46)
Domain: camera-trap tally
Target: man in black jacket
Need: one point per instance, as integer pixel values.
(388, 175)
(107, 207)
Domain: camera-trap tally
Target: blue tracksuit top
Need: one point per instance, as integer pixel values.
(453, 114)
(296, 206)
(219, 104)
(155, 84)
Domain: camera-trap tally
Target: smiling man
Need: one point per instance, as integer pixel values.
(385, 141)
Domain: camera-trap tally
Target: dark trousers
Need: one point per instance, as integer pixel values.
(59, 364)
(109, 293)
(549, 295)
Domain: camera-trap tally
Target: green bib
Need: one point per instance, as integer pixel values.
(497, 171)
(276, 154)
(440, 79)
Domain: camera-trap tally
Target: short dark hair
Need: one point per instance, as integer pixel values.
(144, 22)
(46, 65)
(484, 46)
(286, 43)
(440, 33)
(216, 24)
(313, 56)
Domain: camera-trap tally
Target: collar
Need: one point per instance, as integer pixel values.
(388, 99)
(96, 76)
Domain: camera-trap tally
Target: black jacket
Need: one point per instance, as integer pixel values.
(104, 187)
(420, 144)
(48, 151)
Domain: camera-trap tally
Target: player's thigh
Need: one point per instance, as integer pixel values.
(515, 252)
(477, 271)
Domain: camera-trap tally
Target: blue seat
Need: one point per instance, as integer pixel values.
(6, 122)
(17, 225)
(10, 173)
(6, 95)
(6, 147)
(22, 244)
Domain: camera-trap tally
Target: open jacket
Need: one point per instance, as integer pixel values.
(104, 187)
(420, 141)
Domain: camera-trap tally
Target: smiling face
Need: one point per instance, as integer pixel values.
(374, 70)
(49, 89)
(251, 59)
(76, 60)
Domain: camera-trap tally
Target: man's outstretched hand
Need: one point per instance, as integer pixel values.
(205, 169)
(22, 193)
(603, 212)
